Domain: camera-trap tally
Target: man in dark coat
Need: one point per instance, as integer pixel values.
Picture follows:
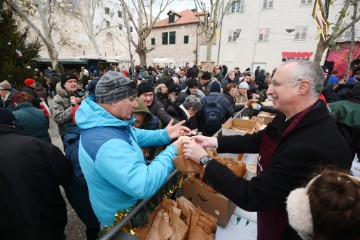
(31, 171)
(146, 93)
(301, 139)
(29, 88)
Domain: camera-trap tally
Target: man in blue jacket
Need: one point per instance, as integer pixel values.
(110, 148)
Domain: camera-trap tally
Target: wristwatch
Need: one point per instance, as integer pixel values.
(205, 159)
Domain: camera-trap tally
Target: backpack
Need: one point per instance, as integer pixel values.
(213, 116)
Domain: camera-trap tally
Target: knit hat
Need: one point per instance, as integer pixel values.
(168, 82)
(191, 73)
(144, 87)
(6, 117)
(192, 83)
(215, 87)
(29, 81)
(5, 85)
(206, 76)
(244, 85)
(67, 76)
(114, 86)
(173, 88)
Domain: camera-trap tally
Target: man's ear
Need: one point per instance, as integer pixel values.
(304, 86)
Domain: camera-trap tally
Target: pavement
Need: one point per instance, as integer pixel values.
(75, 229)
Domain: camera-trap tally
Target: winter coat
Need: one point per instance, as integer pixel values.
(179, 113)
(157, 109)
(31, 121)
(62, 109)
(7, 103)
(31, 203)
(113, 163)
(76, 189)
(314, 142)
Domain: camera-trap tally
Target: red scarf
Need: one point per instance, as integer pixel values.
(272, 223)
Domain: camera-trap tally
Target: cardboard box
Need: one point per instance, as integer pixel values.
(237, 126)
(268, 117)
(215, 204)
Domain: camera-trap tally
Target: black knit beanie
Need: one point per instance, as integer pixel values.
(144, 87)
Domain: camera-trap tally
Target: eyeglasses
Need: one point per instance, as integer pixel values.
(275, 83)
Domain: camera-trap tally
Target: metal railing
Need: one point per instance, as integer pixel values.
(117, 228)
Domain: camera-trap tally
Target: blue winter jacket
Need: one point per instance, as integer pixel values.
(113, 163)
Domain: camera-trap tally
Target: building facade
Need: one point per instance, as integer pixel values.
(267, 33)
(175, 39)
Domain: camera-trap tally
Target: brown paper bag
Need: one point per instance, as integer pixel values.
(186, 165)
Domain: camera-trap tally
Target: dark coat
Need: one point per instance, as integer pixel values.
(35, 99)
(31, 203)
(314, 142)
(76, 189)
(179, 114)
(157, 109)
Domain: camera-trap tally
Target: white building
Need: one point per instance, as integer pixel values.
(266, 33)
(72, 41)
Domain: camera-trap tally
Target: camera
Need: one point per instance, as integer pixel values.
(79, 93)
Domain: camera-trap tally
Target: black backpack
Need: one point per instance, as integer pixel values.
(213, 116)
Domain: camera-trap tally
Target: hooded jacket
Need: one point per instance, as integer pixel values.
(62, 108)
(113, 163)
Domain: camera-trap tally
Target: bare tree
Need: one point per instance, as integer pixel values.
(26, 10)
(342, 24)
(213, 17)
(143, 14)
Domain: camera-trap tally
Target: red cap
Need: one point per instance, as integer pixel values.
(29, 81)
(126, 73)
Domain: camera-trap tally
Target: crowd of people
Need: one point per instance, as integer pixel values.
(122, 128)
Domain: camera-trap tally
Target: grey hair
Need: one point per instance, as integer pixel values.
(231, 72)
(193, 102)
(310, 71)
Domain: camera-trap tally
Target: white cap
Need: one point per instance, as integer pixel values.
(244, 85)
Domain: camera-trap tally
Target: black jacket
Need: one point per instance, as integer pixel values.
(31, 203)
(314, 142)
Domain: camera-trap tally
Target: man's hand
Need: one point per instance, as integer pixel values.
(177, 130)
(205, 141)
(193, 151)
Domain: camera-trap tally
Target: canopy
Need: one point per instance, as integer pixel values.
(163, 61)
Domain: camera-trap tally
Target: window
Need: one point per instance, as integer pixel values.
(107, 24)
(300, 33)
(268, 4)
(109, 37)
(131, 29)
(186, 39)
(107, 10)
(237, 6)
(120, 26)
(233, 35)
(305, 2)
(119, 14)
(263, 34)
(171, 18)
(152, 41)
(172, 39)
(164, 38)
